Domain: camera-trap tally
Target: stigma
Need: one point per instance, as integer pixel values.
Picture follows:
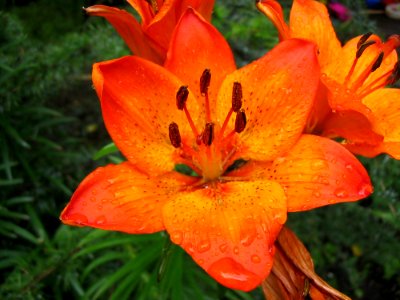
(211, 149)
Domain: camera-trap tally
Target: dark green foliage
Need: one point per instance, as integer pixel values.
(50, 133)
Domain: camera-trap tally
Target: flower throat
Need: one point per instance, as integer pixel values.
(211, 151)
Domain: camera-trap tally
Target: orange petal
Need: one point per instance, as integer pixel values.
(138, 100)
(273, 11)
(118, 197)
(128, 28)
(316, 172)
(203, 7)
(278, 93)
(229, 229)
(195, 46)
(385, 106)
(144, 10)
(352, 126)
(310, 20)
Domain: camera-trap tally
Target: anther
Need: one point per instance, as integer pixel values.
(174, 135)
(377, 62)
(181, 97)
(240, 121)
(205, 81)
(361, 49)
(208, 134)
(395, 76)
(237, 96)
(363, 39)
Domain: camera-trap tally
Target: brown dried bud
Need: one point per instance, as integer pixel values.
(240, 121)
(237, 96)
(208, 134)
(181, 96)
(205, 81)
(174, 135)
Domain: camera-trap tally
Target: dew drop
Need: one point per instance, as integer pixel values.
(349, 167)
(255, 259)
(223, 248)
(365, 190)
(203, 246)
(247, 239)
(78, 219)
(100, 220)
(236, 250)
(177, 237)
(317, 194)
(319, 165)
(341, 193)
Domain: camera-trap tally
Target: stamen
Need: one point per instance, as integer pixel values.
(240, 121)
(395, 76)
(204, 84)
(205, 81)
(174, 135)
(363, 39)
(181, 97)
(208, 134)
(363, 47)
(377, 62)
(154, 5)
(237, 96)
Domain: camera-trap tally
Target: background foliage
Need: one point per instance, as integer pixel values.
(51, 128)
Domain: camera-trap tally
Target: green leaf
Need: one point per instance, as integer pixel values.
(106, 150)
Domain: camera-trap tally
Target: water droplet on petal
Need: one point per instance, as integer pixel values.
(248, 238)
(255, 259)
(365, 190)
(317, 194)
(223, 247)
(78, 219)
(203, 246)
(100, 220)
(177, 237)
(341, 193)
(319, 164)
(349, 167)
(236, 250)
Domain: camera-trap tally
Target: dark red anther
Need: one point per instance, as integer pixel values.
(181, 97)
(361, 49)
(237, 96)
(363, 39)
(377, 62)
(205, 81)
(240, 121)
(395, 76)
(174, 135)
(208, 134)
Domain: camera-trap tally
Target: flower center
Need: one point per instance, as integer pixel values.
(211, 151)
(358, 82)
(154, 6)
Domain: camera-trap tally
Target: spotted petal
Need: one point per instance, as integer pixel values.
(278, 93)
(229, 229)
(118, 197)
(138, 100)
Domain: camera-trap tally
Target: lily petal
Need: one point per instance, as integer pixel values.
(195, 46)
(278, 94)
(317, 172)
(118, 197)
(353, 126)
(128, 28)
(310, 20)
(229, 229)
(138, 100)
(385, 105)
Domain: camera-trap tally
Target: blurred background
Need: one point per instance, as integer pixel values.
(51, 132)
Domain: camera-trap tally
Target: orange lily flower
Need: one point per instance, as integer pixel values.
(240, 131)
(150, 38)
(356, 106)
